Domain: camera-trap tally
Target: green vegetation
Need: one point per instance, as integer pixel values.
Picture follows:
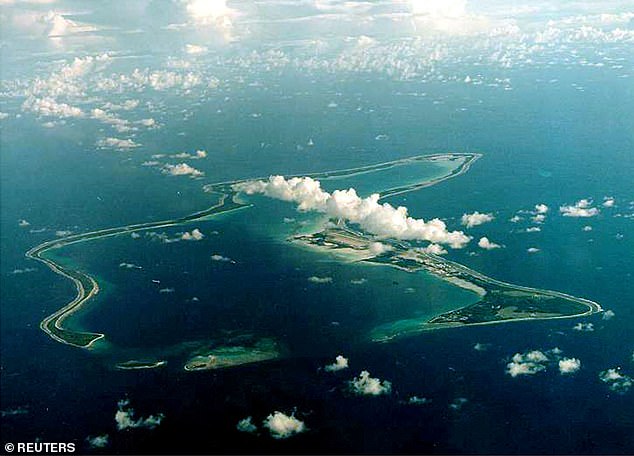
(500, 302)
(231, 356)
(136, 364)
(500, 306)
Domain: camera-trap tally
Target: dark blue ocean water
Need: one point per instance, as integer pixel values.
(541, 143)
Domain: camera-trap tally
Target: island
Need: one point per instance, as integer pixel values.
(499, 301)
(134, 364)
(231, 356)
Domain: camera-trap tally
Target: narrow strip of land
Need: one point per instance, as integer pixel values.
(87, 287)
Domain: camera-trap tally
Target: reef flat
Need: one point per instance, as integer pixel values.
(134, 364)
(87, 287)
(498, 301)
(231, 356)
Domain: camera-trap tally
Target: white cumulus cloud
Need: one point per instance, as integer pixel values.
(319, 280)
(221, 258)
(370, 386)
(527, 363)
(608, 315)
(380, 219)
(582, 208)
(485, 243)
(246, 425)
(98, 441)
(181, 169)
(50, 107)
(541, 208)
(282, 426)
(340, 363)
(583, 327)
(434, 249)
(617, 381)
(116, 143)
(125, 418)
(194, 235)
(471, 220)
(608, 201)
(569, 365)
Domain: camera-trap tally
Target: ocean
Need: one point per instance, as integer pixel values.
(542, 142)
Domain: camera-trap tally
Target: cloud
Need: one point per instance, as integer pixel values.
(127, 105)
(445, 8)
(23, 223)
(569, 365)
(35, 24)
(23, 271)
(320, 280)
(366, 385)
(380, 219)
(181, 169)
(246, 425)
(125, 265)
(340, 363)
(163, 237)
(193, 49)
(125, 418)
(167, 290)
(282, 426)
(50, 107)
(196, 156)
(207, 11)
(210, 13)
(584, 327)
(617, 381)
(116, 143)
(481, 347)
(484, 243)
(221, 259)
(98, 441)
(587, 228)
(608, 201)
(360, 281)
(378, 248)
(528, 363)
(60, 26)
(415, 400)
(533, 229)
(147, 122)
(582, 208)
(533, 250)
(14, 412)
(195, 235)
(434, 249)
(108, 118)
(458, 403)
(608, 315)
(475, 219)
(541, 208)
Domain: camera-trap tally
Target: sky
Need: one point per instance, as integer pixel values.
(66, 60)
